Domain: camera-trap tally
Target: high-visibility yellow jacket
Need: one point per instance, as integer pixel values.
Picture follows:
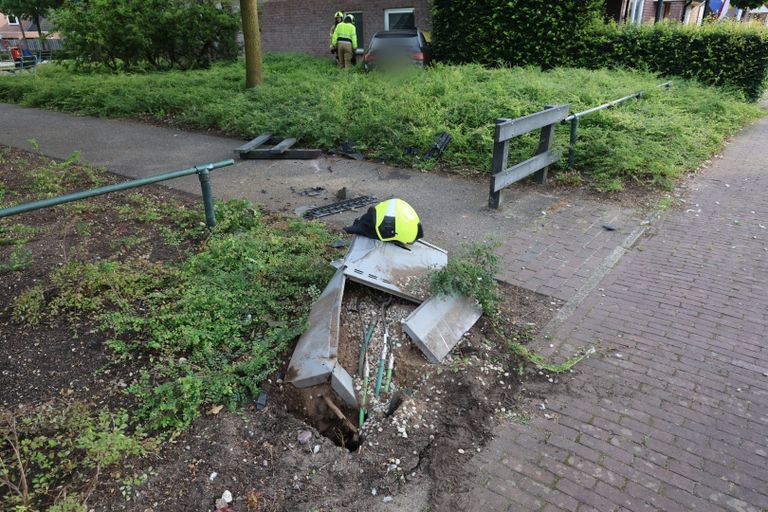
(345, 32)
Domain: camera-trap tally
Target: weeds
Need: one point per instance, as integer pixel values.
(17, 234)
(676, 129)
(473, 274)
(19, 259)
(214, 325)
(56, 456)
(537, 360)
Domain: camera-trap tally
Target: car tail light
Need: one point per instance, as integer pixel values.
(369, 57)
(418, 56)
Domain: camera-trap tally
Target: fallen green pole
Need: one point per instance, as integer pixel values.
(201, 170)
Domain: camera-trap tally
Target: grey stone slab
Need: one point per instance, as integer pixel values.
(393, 269)
(314, 358)
(439, 323)
(342, 384)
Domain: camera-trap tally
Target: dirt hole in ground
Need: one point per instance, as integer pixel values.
(365, 313)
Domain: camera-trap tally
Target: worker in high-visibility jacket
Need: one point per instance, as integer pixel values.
(338, 17)
(345, 40)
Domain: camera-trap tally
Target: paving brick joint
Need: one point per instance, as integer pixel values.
(672, 413)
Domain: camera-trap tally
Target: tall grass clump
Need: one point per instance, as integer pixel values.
(649, 141)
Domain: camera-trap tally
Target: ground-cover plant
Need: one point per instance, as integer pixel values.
(395, 117)
(213, 327)
(55, 456)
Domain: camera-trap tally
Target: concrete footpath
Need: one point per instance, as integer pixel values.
(672, 411)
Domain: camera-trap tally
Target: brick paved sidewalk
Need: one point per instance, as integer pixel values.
(672, 414)
(557, 253)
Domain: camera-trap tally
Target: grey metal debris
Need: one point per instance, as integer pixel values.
(439, 323)
(374, 263)
(315, 354)
(342, 384)
(393, 269)
(341, 206)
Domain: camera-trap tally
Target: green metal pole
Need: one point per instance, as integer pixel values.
(55, 201)
(205, 186)
(572, 148)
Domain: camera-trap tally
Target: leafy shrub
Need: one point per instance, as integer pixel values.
(727, 54)
(516, 32)
(49, 448)
(213, 326)
(473, 274)
(155, 33)
(570, 33)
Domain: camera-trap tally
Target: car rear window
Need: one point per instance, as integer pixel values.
(390, 40)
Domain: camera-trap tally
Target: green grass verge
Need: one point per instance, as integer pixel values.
(648, 141)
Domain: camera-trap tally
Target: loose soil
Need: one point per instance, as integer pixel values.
(413, 452)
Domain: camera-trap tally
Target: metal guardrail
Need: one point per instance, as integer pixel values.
(574, 118)
(201, 171)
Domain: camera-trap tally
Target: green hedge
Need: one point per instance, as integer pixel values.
(723, 54)
(516, 32)
(571, 33)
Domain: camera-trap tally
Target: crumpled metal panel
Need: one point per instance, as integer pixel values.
(393, 269)
(439, 323)
(343, 385)
(380, 265)
(314, 358)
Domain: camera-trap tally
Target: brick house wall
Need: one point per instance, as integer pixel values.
(619, 9)
(303, 27)
(672, 10)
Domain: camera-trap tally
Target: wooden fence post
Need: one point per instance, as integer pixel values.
(500, 156)
(545, 144)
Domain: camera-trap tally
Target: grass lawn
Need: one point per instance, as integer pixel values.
(649, 141)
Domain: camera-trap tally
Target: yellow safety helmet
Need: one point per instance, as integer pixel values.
(339, 14)
(349, 18)
(397, 221)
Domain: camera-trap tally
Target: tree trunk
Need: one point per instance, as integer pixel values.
(659, 10)
(254, 74)
(23, 35)
(43, 39)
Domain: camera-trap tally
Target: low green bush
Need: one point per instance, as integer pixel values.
(50, 459)
(156, 34)
(572, 33)
(514, 32)
(649, 141)
(730, 54)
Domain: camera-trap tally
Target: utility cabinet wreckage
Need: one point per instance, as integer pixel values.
(435, 327)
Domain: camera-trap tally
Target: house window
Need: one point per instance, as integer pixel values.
(13, 20)
(359, 27)
(395, 19)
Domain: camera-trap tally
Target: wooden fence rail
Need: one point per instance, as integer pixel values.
(507, 129)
